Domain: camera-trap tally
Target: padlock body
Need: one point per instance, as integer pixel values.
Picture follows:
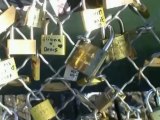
(119, 49)
(7, 18)
(43, 111)
(86, 58)
(21, 47)
(155, 115)
(53, 44)
(155, 62)
(93, 18)
(8, 71)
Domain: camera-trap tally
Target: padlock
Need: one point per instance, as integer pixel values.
(20, 46)
(8, 71)
(93, 18)
(105, 100)
(53, 44)
(16, 82)
(7, 18)
(35, 17)
(153, 113)
(120, 47)
(155, 62)
(35, 67)
(108, 4)
(41, 111)
(88, 58)
(142, 9)
(70, 74)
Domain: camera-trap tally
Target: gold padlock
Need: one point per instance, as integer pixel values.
(43, 111)
(8, 71)
(7, 18)
(20, 46)
(35, 67)
(155, 62)
(93, 18)
(53, 44)
(35, 17)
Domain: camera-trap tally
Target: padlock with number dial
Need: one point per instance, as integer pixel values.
(36, 67)
(7, 18)
(53, 44)
(41, 111)
(20, 46)
(120, 47)
(93, 18)
(88, 58)
(153, 113)
(35, 17)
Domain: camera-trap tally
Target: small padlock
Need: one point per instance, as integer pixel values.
(53, 44)
(88, 58)
(120, 47)
(142, 9)
(155, 62)
(7, 18)
(108, 4)
(35, 17)
(20, 46)
(8, 71)
(105, 100)
(93, 18)
(154, 113)
(41, 111)
(35, 67)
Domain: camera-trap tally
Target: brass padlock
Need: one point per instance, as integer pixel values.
(142, 9)
(120, 47)
(7, 18)
(36, 67)
(88, 58)
(53, 44)
(35, 17)
(8, 71)
(108, 4)
(41, 111)
(93, 18)
(20, 46)
(155, 62)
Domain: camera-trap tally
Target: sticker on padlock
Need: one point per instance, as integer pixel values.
(34, 17)
(70, 74)
(53, 44)
(43, 111)
(88, 58)
(8, 71)
(155, 62)
(7, 18)
(20, 46)
(35, 67)
(93, 18)
(108, 4)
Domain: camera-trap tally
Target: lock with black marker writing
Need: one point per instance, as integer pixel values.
(42, 110)
(53, 44)
(88, 58)
(92, 18)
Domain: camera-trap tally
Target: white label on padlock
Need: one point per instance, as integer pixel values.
(20, 47)
(71, 74)
(115, 3)
(93, 19)
(8, 71)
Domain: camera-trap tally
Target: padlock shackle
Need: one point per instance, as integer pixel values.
(147, 100)
(12, 33)
(46, 27)
(84, 4)
(121, 24)
(5, 114)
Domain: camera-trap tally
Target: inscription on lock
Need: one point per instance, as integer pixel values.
(8, 71)
(93, 18)
(53, 44)
(43, 111)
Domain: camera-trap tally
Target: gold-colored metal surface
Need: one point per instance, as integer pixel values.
(154, 63)
(7, 18)
(53, 44)
(89, 82)
(36, 67)
(21, 47)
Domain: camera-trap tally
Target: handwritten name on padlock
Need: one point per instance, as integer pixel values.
(8, 71)
(53, 44)
(93, 19)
